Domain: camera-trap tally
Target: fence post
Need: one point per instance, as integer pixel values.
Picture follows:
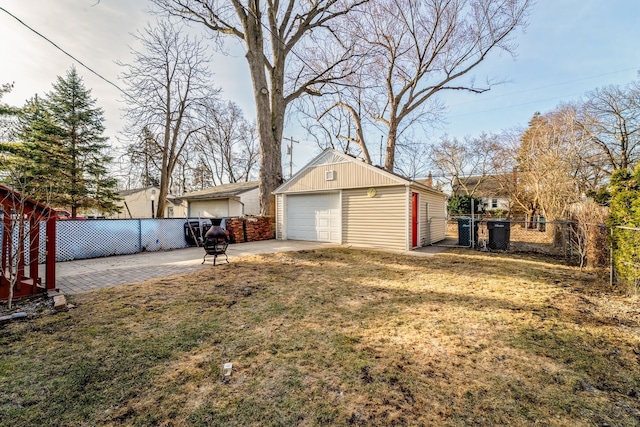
(139, 235)
(611, 258)
(472, 229)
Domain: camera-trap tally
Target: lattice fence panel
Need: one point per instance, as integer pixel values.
(14, 241)
(163, 234)
(82, 239)
(96, 238)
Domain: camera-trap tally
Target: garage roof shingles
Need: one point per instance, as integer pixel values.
(225, 191)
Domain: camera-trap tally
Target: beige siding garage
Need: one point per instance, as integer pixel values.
(279, 216)
(375, 207)
(375, 221)
(342, 174)
(236, 199)
(431, 206)
(209, 208)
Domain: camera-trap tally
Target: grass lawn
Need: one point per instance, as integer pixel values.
(334, 337)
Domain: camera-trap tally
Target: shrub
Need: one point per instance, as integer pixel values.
(461, 205)
(624, 219)
(589, 233)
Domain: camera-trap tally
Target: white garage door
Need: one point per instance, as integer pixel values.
(314, 217)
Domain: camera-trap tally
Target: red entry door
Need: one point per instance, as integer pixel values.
(414, 220)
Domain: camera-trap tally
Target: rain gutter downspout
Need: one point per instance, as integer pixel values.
(407, 222)
(237, 199)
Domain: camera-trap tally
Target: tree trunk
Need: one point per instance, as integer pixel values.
(164, 168)
(390, 160)
(270, 108)
(162, 196)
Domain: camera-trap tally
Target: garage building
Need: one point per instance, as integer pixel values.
(340, 199)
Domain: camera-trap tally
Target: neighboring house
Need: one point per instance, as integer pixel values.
(142, 203)
(237, 199)
(492, 189)
(338, 198)
(176, 207)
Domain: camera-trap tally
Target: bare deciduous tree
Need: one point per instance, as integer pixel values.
(168, 85)
(19, 223)
(339, 118)
(13, 224)
(227, 145)
(589, 233)
(465, 163)
(549, 161)
(417, 49)
(144, 160)
(554, 163)
(282, 40)
(610, 119)
(413, 161)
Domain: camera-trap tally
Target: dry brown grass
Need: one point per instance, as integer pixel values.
(335, 337)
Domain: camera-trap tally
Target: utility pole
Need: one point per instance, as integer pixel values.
(290, 154)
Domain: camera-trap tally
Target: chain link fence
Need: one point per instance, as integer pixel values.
(488, 234)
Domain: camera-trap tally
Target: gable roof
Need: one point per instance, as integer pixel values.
(330, 157)
(225, 191)
(136, 190)
(495, 185)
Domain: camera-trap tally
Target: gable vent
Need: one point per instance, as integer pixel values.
(330, 175)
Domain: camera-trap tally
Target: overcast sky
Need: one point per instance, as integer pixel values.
(569, 48)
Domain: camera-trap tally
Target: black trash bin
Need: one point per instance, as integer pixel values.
(499, 234)
(464, 231)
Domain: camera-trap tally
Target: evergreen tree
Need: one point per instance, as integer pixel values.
(15, 156)
(81, 178)
(5, 109)
(461, 205)
(58, 153)
(36, 155)
(7, 114)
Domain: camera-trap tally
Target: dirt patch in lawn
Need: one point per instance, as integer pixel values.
(36, 306)
(335, 337)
